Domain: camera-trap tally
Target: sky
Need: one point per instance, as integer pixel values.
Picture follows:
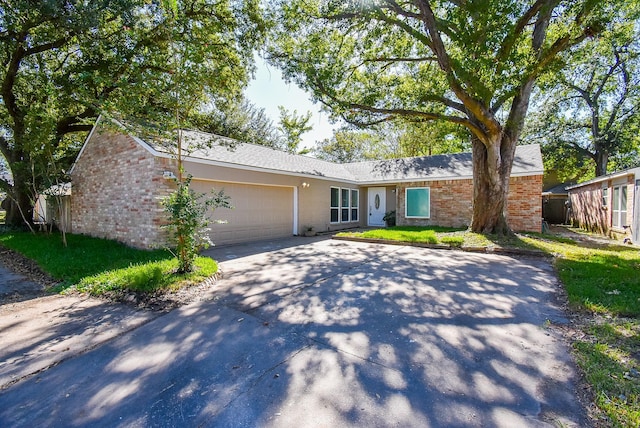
(268, 90)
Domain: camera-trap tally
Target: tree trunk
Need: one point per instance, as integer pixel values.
(18, 204)
(491, 173)
(602, 159)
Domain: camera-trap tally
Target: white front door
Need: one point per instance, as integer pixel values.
(377, 206)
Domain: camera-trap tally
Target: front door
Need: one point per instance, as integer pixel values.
(377, 206)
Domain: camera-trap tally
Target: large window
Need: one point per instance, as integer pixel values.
(417, 202)
(619, 206)
(355, 203)
(344, 205)
(335, 205)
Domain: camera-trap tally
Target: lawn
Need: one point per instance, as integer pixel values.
(97, 266)
(603, 289)
(454, 237)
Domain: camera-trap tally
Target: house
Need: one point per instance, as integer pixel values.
(609, 204)
(119, 179)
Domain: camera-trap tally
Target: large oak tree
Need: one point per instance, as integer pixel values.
(66, 61)
(472, 63)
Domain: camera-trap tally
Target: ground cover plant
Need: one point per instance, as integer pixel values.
(98, 266)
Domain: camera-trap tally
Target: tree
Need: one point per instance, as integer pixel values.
(237, 118)
(589, 111)
(348, 145)
(389, 140)
(292, 127)
(66, 62)
(471, 63)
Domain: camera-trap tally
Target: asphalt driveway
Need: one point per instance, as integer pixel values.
(329, 333)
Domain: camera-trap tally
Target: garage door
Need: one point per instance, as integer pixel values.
(260, 212)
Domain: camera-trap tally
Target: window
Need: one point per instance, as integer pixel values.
(619, 206)
(335, 205)
(417, 202)
(345, 205)
(355, 200)
(605, 196)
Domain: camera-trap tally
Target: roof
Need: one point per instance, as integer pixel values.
(221, 151)
(614, 175)
(558, 189)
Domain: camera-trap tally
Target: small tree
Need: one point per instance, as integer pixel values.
(188, 223)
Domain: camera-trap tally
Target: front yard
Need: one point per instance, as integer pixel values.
(602, 282)
(104, 268)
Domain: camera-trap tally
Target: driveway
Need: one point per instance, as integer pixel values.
(319, 333)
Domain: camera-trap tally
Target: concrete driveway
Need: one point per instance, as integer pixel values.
(329, 333)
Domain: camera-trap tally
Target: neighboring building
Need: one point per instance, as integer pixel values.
(118, 181)
(609, 205)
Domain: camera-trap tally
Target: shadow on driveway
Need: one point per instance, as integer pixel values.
(330, 333)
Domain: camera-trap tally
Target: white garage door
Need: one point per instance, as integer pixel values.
(260, 212)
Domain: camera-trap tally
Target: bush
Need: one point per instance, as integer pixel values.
(188, 221)
(390, 218)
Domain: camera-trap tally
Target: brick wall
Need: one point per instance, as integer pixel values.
(452, 203)
(116, 190)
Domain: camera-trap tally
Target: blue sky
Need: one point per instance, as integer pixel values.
(268, 90)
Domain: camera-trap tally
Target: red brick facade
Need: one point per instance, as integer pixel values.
(117, 186)
(452, 203)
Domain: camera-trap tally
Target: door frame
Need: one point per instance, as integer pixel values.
(371, 192)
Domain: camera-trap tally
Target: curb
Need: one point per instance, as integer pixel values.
(468, 249)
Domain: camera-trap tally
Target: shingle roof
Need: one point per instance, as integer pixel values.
(213, 148)
(558, 189)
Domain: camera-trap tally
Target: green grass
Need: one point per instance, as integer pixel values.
(414, 234)
(98, 265)
(455, 237)
(604, 283)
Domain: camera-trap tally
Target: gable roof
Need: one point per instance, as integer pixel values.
(221, 151)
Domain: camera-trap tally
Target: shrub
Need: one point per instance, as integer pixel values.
(188, 221)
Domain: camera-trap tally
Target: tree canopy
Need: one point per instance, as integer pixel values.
(66, 62)
(587, 114)
(472, 63)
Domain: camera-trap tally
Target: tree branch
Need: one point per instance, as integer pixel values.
(510, 39)
(474, 106)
